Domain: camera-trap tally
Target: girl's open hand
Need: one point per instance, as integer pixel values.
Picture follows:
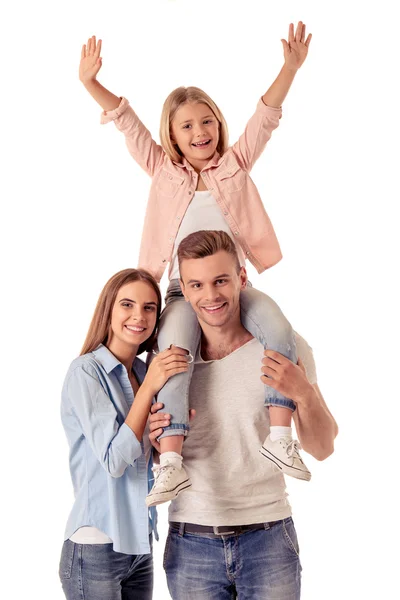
(295, 50)
(90, 63)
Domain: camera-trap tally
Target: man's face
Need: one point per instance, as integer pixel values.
(212, 285)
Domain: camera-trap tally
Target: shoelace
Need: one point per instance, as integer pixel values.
(158, 470)
(293, 448)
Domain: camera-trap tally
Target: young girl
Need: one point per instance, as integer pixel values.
(105, 404)
(201, 183)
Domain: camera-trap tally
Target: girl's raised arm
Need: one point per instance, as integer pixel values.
(89, 66)
(295, 51)
(259, 128)
(145, 151)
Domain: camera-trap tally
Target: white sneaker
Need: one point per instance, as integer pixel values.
(285, 455)
(168, 483)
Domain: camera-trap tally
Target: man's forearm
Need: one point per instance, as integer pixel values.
(315, 425)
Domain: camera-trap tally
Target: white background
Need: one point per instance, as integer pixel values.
(73, 203)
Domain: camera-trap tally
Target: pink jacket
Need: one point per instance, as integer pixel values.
(227, 178)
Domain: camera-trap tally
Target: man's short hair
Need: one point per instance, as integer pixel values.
(207, 243)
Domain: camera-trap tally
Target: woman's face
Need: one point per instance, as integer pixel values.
(134, 315)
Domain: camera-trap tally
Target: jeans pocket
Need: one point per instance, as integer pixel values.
(166, 549)
(290, 535)
(67, 559)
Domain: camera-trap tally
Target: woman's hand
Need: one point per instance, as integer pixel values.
(163, 366)
(295, 50)
(159, 420)
(91, 60)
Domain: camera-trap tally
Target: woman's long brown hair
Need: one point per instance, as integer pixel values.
(101, 321)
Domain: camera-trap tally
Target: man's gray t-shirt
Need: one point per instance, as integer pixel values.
(232, 483)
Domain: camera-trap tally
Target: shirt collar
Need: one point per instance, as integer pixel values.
(108, 361)
(106, 358)
(184, 164)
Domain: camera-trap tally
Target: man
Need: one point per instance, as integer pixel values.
(232, 535)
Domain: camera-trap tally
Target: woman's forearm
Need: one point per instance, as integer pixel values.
(139, 412)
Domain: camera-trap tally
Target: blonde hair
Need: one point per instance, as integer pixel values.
(207, 243)
(188, 95)
(99, 329)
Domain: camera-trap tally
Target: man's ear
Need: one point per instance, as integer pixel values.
(243, 278)
(183, 289)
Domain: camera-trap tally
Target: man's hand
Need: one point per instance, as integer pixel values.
(315, 426)
(159, 420)
(285, 377)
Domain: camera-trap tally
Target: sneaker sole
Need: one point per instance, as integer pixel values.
(161, 497)
(292, 471)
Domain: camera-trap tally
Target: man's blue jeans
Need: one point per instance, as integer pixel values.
(97, 572)
(257, 565)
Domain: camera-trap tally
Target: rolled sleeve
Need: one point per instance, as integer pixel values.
(144, 150)
(111, 115)
(270, 112)
(257, 133)
(115, 446)
(127, 444)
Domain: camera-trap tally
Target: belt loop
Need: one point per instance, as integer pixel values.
(267, 526)
(181, 529)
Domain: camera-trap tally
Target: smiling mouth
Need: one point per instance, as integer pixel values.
(214, 308)
(202, 144)
(135, 329)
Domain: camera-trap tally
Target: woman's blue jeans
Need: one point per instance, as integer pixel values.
(97, 572)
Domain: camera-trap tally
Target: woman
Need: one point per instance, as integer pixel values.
(106, 398)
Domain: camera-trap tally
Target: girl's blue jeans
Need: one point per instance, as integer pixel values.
(179, 326)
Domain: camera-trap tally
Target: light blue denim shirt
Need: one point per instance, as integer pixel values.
(107, 462)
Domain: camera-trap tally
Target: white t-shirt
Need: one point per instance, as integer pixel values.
(203, 213)
(232, 484)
